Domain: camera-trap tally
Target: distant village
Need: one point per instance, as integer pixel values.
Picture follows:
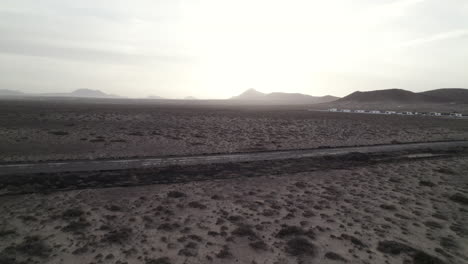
(408, 113)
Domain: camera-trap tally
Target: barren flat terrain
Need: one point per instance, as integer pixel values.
(57, 130)
(395, 212)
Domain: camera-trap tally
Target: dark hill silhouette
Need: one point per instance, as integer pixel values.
(81, 93)
(90, 93)
(390, 96)
(252, 95)
(451, 95)
(6, 92)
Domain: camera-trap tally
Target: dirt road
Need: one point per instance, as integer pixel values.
(124, 164)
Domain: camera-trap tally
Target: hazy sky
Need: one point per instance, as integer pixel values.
(218, 48)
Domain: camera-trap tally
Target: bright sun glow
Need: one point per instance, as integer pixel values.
(219, 48)
(273, 46)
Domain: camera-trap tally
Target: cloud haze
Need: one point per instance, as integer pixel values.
(216, 49)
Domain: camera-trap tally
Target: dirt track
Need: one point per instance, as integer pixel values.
(124, 164)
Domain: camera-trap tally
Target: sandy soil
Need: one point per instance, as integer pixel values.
(401, 212)
(35, 130)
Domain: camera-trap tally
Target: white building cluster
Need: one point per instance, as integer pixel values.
(409, 113)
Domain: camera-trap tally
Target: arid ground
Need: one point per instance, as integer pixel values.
(57, 130)
(397, 212)
(349, 209)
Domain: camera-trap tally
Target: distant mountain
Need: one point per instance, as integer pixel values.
(6, 92)
(451, 95)
(155, 97)
(399, 96)
(252, 95)
(190, 98)
(81, 93)
(90, 93)
(389, 96)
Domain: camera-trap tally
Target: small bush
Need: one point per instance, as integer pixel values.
(59, 133)
(459, 198)
(224, 253)
(7, 232)
(288, 231)
(393, 247)
(118, 236)
(97, 140)
(114, 208)
(33, 246)
(197, 205)
(76, 227)
(163, 260)
(176, 194)
(136, 133)
(72, 213)
(427, 183)
(424, 258)
(353, 240)
(259, 245)
(389, 207)
(300, 247)
(433, 224)
(244, 231)
(334, 256)
(118, 140)
(168, 227)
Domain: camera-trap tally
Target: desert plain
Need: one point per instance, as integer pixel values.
(62, 130)
(356, 210)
